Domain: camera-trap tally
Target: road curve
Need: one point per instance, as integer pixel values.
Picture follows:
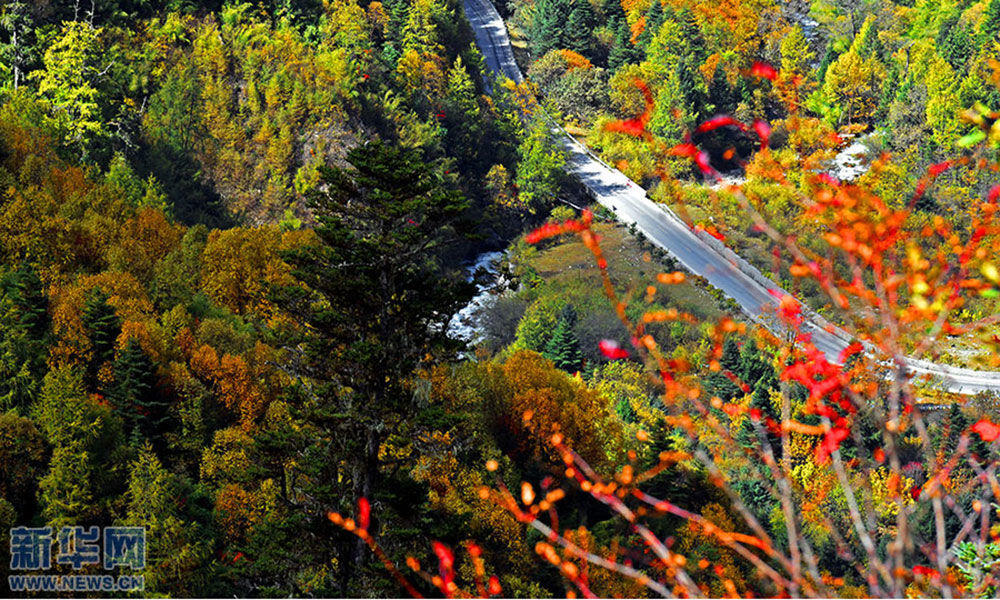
(697, 251)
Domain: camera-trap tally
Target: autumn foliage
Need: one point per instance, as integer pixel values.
(872, 489)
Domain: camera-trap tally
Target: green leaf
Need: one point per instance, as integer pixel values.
(973, 138)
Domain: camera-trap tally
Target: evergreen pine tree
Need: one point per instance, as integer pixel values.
(24, 323)
(903, 90)
(548, 26)
(955, 424)
(829, 56)
(135, 395)
(655, 17)
(85, 467)
(398, 11)
(688, 83)
(958, 46)
(389, 217)
(730, 359)
(759, 375)
(463, 127)
(753, 368)
(577, 31)
(719, 384)
(889, 90)
(174, 529)
(720, 93)
(989, 29)
(103, 327)
(564, 347)
(623, 51)
(151, 490)
(26, 290)
(947, 25)
(695, 49)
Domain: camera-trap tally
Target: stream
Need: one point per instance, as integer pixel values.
(851, 162)
(465, 324)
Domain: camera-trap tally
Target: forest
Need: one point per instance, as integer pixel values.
(237, 240)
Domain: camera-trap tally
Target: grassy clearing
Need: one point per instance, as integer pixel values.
(567, 267)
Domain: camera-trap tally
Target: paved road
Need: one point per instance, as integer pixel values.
(697, 251)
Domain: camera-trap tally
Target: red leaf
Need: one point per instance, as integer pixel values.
(762, 69)
(364, 513)
(831, 443)
(444, 555)
(987, 430)
(446, 562)
(717, 122)
(763, 132)
(689, 150)
(633, 127)
(552, 229)
(612, 350)
(937, 169)
(850, 350)
(925, 571)
(494, 586)
(710, 230)
(701, 159)
(636, 126)
(828, 179)
(788, 308)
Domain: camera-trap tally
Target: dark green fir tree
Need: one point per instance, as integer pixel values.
(24, 325)
(103, 327)
(989, 29)
(958, 46)
(829, 56)
(373, 299)
(564, 347)
(548, 28)
(719, 384)
(135, 394)
(655, 17)
(577, 32)
(623, 51)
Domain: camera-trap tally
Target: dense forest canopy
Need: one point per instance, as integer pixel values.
(233, 236)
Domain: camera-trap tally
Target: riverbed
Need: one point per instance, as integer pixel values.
(465, 325)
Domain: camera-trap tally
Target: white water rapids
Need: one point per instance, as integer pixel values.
(465, 324)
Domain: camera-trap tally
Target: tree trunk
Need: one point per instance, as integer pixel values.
(346, 564)
(369, 483)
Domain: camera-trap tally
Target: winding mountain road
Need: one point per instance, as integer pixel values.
(699, 252)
